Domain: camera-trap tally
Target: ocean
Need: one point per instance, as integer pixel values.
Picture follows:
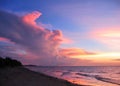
(86, 75)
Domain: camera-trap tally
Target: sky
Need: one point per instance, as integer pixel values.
(61, 32)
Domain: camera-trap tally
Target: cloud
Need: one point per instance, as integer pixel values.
(31, 17)
(71, 52)
(116, 59)
(109, 36)
(37, 41)
(4, 39)
(24, 39)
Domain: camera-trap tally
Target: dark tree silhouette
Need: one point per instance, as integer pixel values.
(2, 62)
(8, 62)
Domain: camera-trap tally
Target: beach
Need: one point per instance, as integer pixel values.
(20, 76)
(85, 75)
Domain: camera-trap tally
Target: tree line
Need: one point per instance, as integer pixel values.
(8, 62)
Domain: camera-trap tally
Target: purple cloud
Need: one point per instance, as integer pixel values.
(31, 43)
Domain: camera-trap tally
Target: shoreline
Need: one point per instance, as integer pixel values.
(21, 76)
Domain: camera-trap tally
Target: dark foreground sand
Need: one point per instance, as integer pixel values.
(23, 77)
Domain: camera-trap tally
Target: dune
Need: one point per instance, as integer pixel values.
(20, 76)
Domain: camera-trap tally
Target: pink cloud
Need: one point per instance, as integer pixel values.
(4, 39)
(39, 44)
(31, 17)
(108, 36)
(34, 44)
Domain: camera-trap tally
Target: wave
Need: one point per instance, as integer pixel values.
(65, 73)
(108, 80)
(87, 75)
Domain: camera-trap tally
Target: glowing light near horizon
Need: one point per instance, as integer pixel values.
(100, 56)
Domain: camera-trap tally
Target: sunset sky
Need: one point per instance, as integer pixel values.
(61, 32)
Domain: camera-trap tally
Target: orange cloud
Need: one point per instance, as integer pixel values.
(107, 58)
(71, 52)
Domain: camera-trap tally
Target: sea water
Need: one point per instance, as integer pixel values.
(86, 75)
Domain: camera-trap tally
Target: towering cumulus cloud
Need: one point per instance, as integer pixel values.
(37, 42)
(22, 37)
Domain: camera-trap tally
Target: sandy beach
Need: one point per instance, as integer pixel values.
(20, 76)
